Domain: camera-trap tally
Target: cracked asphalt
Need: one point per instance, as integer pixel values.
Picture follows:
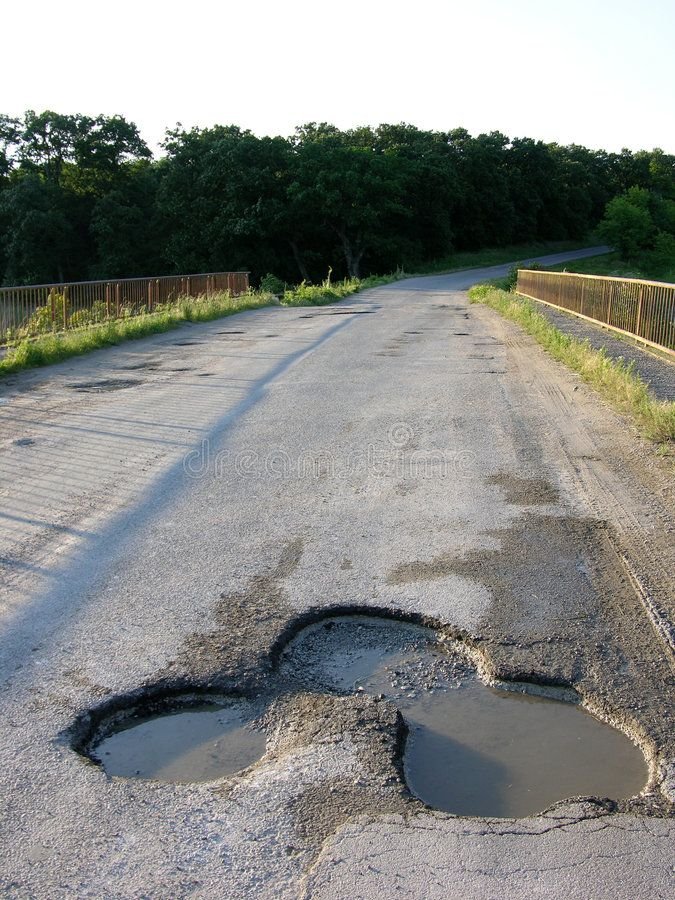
(404, 454)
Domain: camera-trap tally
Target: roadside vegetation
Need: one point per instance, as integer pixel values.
(496, 256)
(613, 265)
(640, 225)
(615, 380)
(55, 347)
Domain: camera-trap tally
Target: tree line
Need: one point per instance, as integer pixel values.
(83, 198)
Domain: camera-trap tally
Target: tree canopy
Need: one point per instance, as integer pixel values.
(82, 197)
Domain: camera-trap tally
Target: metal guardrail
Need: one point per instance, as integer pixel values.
(38, 309)
(642, 309)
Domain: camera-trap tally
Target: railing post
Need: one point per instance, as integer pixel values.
(638, 322)
(52, 304)
(117, 299)
(149, 296)
(581, 303)
(65, 308)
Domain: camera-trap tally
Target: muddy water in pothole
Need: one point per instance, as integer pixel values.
(471, 749)
(201, 743)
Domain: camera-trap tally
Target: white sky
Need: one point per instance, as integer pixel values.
(594, 72)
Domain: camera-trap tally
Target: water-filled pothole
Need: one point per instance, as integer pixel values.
(471, 749)
(195, 743)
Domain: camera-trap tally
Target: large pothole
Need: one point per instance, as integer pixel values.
(471, 749)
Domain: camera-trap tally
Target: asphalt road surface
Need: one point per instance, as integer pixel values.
(173, 510)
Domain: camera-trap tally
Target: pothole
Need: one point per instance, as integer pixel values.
(340, 312)
(471, 749)
(150, 366)
(105, 384)
(230, 332)
(190, 741)
(185, 343)
(348, 312)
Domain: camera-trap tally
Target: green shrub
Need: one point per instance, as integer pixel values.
(272, 285)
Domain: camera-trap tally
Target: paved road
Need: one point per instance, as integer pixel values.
(170, 507)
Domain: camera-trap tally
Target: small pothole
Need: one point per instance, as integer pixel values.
(200, 741)
(340, 312)
(150, 365)
(105, 384)
(348, 312)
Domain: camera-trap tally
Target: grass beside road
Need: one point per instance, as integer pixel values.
(496, 256)
(611, 264)
(331, 292)
(615, 380)
(52, 348)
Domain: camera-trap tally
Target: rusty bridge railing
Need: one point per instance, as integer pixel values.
(642, 309)
(37, 309)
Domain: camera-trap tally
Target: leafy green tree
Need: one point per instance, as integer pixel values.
(221, 198)
(627, 224)
(353, 192)
(124, 227)
(35, 232)
(10, 131)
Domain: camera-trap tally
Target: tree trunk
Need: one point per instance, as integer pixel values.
(353, 253)
(299, 261)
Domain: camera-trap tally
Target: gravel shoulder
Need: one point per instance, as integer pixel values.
(657, 372)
